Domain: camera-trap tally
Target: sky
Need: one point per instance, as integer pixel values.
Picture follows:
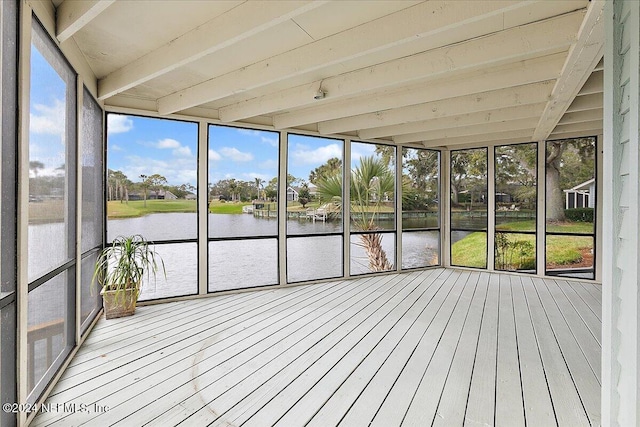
(139, 145)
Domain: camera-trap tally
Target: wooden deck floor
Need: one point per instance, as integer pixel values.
(439, 347)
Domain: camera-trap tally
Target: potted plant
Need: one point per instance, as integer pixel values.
(119, 271)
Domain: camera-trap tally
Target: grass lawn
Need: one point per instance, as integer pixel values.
(136, 208)
(561, 250)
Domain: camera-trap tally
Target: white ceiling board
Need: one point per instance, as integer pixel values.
(337, 16)
(594, 84)
(582, 59)
(503, 47)
(582, 116)
(337, 118)
(486, 101)
(270, 42)
(577, 127)
(586, 102)
(460, 131)
(540, 10)
(388, 32)
(238, 24)
(127, 30)
(71, 16)
(461, 120)
(508, 137)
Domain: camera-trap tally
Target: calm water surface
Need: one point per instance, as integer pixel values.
(237, 264)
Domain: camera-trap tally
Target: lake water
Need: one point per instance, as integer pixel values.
(235, 264)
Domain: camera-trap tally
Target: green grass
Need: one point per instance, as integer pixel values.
(562, 227)
(560, 251)
(470, 251)
(136, 208)
(219, 207)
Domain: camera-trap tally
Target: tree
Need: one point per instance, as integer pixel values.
(332, 167)
(370, 182)
(157, 183)
(570, 156)
(145, 186)
(117, 184)
(304, 196)
(35, 166)
(259, 182)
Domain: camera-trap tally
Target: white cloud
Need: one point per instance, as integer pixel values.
(114, 147)
(118, 124)
(303, 155)
(236, 155)
(213, 155)
(271, 141)
(178, 170)
(168, 143)
(269, 164)
(182, 152)
(251, 176)
(49, 120)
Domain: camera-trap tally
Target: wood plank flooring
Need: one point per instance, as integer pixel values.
(441, 347)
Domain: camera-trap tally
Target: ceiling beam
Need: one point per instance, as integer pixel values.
(576, 134)
(72, 15)
(581, 61)
(461, 120)
(511, 125)
(492, 100)
(509, 137)
(586, 102)
(337, 118)
(237, 24)
(582, 116)
(576, 127)
(519, 43)
(421, 21)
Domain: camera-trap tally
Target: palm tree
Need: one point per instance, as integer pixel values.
(258, 183)
(371, 182)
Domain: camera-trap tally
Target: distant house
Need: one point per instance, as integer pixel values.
(581, 196)
(190, 196)
(162, 195)
(292, 194)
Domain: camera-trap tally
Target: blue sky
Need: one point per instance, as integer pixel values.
(138, 145)
(47, 117)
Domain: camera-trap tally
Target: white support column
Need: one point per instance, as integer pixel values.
(596, 199)
(282, 208)
(79, 149)
(445, 207)
(22, 291)
(203, 207)
(541, 213)
(491, 207)
(621, 220)
(346, 209)
(399, 157)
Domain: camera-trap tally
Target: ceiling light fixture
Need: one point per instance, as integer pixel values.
(320, 94)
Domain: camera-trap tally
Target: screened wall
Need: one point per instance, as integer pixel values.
(52, 214)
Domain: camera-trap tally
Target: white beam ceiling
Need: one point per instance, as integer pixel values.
(583, 57)
(421, 21)
(72, 15)
(511, 45)
(241, 22)
(491, 100)
(446, 73)
(344, 116)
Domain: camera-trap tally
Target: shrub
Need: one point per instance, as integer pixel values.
(579, 214)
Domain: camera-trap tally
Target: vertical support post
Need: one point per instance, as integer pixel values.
(445, 208)
(203, 208)
(491, 207)
(79, 149)
(346, 209)
(541, 215)
(398, 199)
(282, 208)
(596, 200)
(22, 291)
